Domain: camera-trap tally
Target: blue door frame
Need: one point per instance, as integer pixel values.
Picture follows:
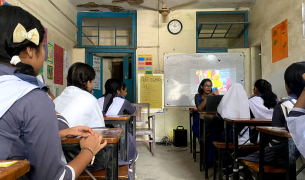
(220, 49)
(89, 55)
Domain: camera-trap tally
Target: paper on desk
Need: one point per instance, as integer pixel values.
(7, 164)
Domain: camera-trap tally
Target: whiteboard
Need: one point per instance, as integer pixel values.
(179, 81)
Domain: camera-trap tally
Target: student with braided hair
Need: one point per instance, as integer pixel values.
(110, 103)
(76, 103)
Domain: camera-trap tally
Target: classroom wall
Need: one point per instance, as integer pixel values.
(60, 31)
(263, 17)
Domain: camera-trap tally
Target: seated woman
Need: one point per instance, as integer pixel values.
(28, 125)
(204, 90)
(76, 103)
(110, 104)
(234, 104)
(123, 91)
(275, 153)
(263, 100)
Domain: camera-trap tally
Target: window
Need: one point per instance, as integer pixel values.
(219, 31)
(107, 29)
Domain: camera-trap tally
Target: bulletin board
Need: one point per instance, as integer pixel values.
(151, 90)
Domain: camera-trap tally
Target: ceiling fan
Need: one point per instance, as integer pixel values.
(94, 5)
(165, 11)
(130, 2)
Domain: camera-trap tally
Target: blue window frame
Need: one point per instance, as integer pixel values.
(122, 35)
(200, 25)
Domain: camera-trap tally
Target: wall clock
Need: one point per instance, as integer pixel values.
(174, 26)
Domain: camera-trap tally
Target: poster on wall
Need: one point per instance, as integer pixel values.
(50, 72)
(67, 61)
(97, 68)
(145, 63)
(151, 91)
(280, 41)
(58, 64)
(50, 51)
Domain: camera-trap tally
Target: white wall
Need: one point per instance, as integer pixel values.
(60, 31)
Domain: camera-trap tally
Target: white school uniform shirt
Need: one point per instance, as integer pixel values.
(79, 107)
(234, 104)
(114, 108)
(259, 110)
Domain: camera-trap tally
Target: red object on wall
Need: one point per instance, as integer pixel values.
(58, 64)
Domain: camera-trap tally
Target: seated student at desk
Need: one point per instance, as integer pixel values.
(263, 100)
(204, 90)
(275, 153)
(28, 125)
(76, 103)
(110, 104)
(235, 104)
(123, 91)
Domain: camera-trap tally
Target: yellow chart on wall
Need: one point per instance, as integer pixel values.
(151, 91)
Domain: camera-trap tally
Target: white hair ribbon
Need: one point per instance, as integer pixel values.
(15, 60)
(20, 35)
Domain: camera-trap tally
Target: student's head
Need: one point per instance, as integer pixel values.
(205, 87)
(294, 82)
(31, 54)
(264, 88)
(123, 91)
(113, 87)
(82, 76)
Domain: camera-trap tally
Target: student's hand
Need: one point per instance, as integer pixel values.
(93, 142)
(82, 131)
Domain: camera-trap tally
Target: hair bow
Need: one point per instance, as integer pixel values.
(20, 35)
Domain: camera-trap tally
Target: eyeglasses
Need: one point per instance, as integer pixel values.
(206, 86)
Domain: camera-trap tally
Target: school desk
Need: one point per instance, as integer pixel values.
(108, 156)
(120, 122)
(193, 112)
(238, 124)
(15, 170)
(208, 123)
(279, 134)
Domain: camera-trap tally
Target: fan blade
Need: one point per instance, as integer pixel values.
(182, 5)
(145, 7)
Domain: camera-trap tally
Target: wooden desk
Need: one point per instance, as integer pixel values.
(108, 155)
(238, 124)
(279, 134)
(206, 119)
(121, 121)
(14, 171)
(192, 112)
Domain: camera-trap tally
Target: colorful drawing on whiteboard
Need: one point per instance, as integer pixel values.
(220, 78)
(280, 41)
(50, 72)
(50, 52)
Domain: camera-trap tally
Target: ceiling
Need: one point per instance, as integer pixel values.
(124, 5)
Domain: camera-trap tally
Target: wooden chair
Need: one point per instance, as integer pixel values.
(150, 131)
(220, 148)
(123, 174)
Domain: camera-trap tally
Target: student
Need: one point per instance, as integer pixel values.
(294, 84)
(28, 125)
(110, 104)
(204, 90)
(234, 104)
(123, 91)
(263, 100)
(76, 102)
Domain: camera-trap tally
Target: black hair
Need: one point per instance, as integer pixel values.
(265, 88)
(79, 74)
(111, 87)
(10, 16)
(293, 78)
(123, 86)
(200, 90)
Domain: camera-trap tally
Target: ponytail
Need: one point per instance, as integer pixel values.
(24, 69)
(111, 87)
(109, 102)
(83, 82)
(265, 88)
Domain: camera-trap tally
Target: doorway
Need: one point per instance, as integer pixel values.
(118, 65)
